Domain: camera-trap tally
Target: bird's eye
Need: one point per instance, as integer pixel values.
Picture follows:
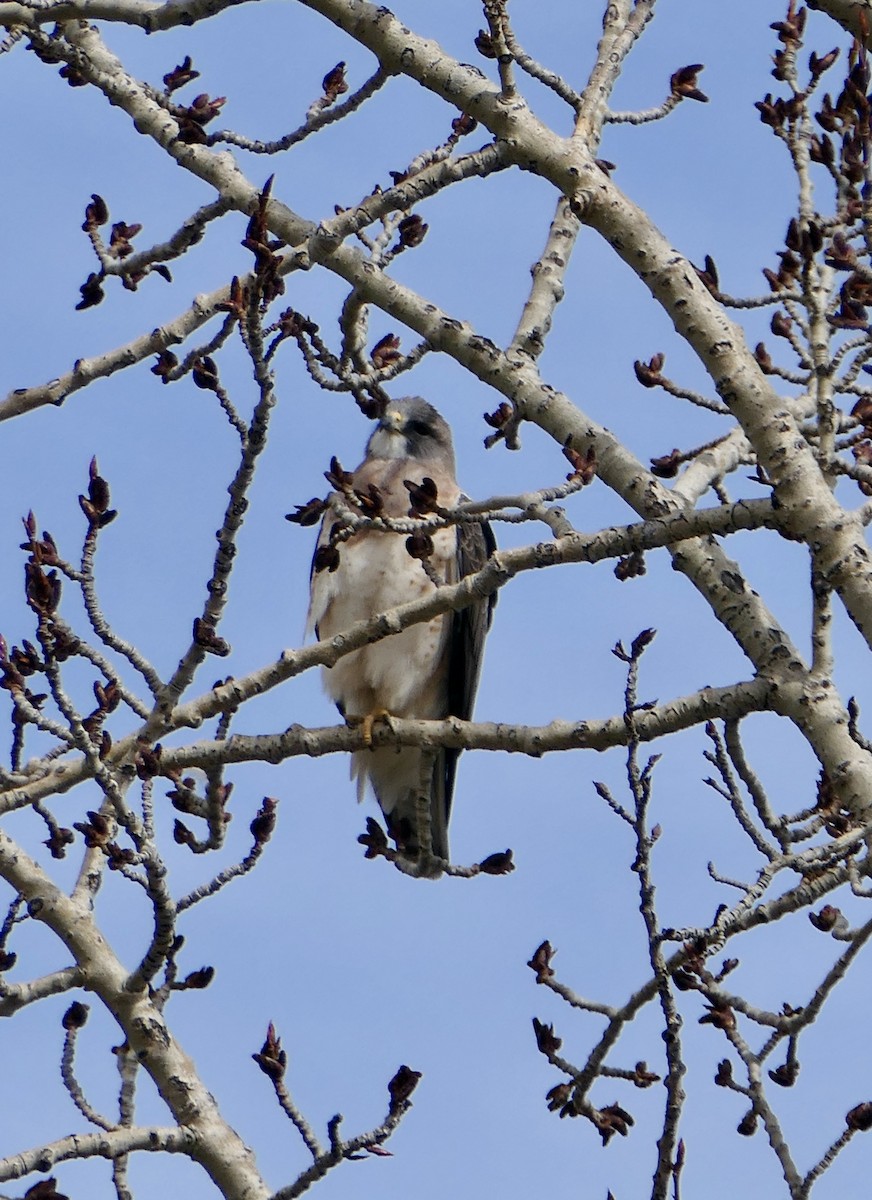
(419, 429)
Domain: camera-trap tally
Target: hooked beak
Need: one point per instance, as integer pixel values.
(392, 420)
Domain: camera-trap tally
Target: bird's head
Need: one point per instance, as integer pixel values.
(412, 428)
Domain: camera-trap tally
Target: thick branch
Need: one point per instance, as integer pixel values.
(535, 740)
(218, 1147)
(110, 1144)
(853, 15)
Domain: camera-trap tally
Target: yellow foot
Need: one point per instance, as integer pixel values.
(367, 722)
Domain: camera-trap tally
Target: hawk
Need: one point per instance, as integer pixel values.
(430, 670)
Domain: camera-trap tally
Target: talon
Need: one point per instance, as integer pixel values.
(367, 722)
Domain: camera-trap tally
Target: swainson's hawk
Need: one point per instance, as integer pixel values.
(430, 670)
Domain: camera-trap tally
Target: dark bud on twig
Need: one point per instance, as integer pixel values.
(499, 863)
(401, 1087)
(29, 523)
(272, 1059)
(58, 841)
(781, 324)
(309, 513)
(583, 466)
(204, 373)
(724, 1073)
(498, 419)
(611, 1120)
(91, 292)
(840, 254)
(207, 639)
(419, 545)
(180, 75)
(42, 589)
(73, 77)
(25, 659)
(337, 476)
(772, 112)
(818, 65)
(97, 830)
(503, 420)
(860, 1117)
(463, 125)
(371, 501)
(65, 645)
(43, 551)
(793, 240)
(147, 761)
(641, 642)
(7, 960)
(764, 362)
(682, 85)
(107, 697)
(412, 231)
(829, 920)
(375, 839)
(237, 302)
(748, 1124)
(334, 84)
(121, 237)
(648, 374)
(827, 803)
(375, 1149)
(709, 274)
(326, 558)
(782, 65)
(423, 497)
(786, 1074)
(165, 365)
(666, 466)
(95, 505)
(386, 352)
(863, 454)
(205, 107)
(12, 681)
(96, 213)
(265, 822)
(183, 836)
(183, 797)
(812, 238)
(631, 566)
(820, 150)
(851, 315)
(546, 1039)
(484, 44)
(719, 1015)
(790, 30)
(200, 978)
(559, 1098)
(294, 324)
(75, 1016)
(862, 412)
(541, 961)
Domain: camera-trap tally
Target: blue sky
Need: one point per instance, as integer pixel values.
(360, 968)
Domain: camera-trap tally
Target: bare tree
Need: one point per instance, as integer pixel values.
(106, 726)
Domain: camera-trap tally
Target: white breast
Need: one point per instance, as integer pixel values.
(405, 674)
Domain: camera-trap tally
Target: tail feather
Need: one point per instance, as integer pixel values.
(397, 776)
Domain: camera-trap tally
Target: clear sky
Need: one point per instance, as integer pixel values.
(360, 968)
